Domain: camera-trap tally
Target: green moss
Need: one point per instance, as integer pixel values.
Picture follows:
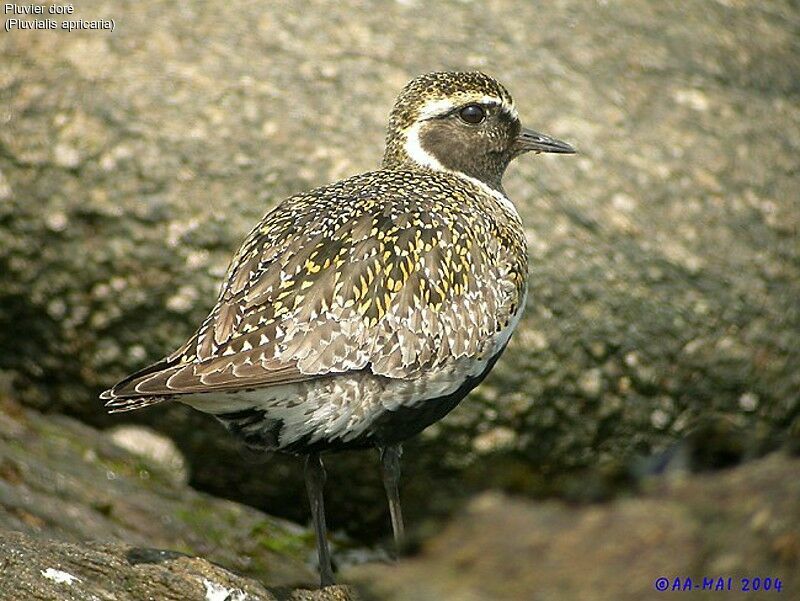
(279, 541)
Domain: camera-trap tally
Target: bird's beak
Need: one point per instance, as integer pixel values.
(532, 141)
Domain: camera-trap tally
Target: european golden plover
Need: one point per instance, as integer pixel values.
(359, 313)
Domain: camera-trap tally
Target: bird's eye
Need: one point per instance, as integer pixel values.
(472, 113)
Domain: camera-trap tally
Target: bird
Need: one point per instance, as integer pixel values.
(356, 314)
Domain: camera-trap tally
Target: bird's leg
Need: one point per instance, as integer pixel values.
(390, 462)
(315, 482)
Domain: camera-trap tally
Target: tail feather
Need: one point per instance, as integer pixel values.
(122, 404)
(124, 396)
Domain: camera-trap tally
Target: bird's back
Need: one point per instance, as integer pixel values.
(394, 286)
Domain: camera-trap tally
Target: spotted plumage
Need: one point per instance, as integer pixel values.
(386, 279)
(358, 313)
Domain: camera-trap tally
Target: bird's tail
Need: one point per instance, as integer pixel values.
(125, 396)
(117, 404)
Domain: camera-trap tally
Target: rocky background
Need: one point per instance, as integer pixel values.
(60, 479)
(662, 326)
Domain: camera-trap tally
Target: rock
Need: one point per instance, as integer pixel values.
(60, 479)
(740, 523)
(43, 569)
(154, 447)
(664, 257)
(82, 518)
(36, 569)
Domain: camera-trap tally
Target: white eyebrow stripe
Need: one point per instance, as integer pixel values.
(437, 108)
(489, 100)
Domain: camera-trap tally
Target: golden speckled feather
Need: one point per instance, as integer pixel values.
(397, 275)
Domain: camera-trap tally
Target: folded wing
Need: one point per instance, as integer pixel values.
(349, 277)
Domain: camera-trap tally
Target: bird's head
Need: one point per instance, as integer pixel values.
(463, 122)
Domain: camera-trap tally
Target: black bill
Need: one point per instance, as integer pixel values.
(532, 141)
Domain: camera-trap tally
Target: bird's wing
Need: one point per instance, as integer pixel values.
(349, 277)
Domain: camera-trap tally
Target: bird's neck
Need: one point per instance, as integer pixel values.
(405, 151)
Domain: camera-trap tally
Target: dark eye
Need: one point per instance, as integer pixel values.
(472, 113)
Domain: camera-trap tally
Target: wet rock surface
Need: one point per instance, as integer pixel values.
(739, 523)
(664, 257)
(60, 479)
(46, 570)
